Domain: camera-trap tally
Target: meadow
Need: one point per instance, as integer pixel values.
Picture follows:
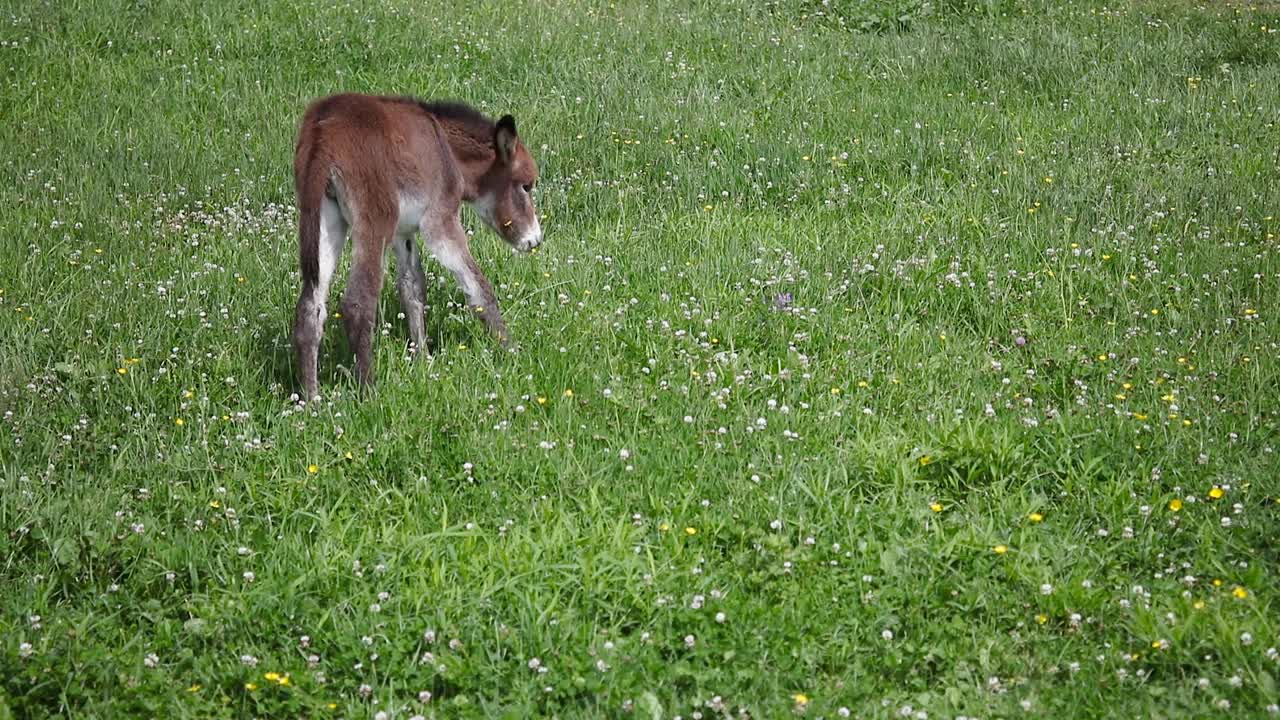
(884, 359)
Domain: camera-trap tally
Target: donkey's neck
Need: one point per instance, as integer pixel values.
(472, 150)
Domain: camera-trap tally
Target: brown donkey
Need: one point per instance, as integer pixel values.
(387, 167)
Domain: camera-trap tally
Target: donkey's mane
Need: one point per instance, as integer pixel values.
(458, 112)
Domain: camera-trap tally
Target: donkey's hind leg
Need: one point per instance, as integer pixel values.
(360, 302)
(412, 284)
(308, 325)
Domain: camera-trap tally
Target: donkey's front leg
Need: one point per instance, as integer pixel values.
(412, 284)
(449, 245)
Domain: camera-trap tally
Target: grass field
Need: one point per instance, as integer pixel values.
(882, 360)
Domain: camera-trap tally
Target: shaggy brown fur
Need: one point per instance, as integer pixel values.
(387, 168)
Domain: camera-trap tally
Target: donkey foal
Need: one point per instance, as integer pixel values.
(386, 168)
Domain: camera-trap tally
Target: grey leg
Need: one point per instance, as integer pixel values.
(412, 284)
(308, 325)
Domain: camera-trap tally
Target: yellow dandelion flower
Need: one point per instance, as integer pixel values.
(935, 506)
(250, 686)
(568, 393)
(332, 706)
(1240, 593)
(663, 527)
(1035, 517)
(348, 456)
(542, 400)
(272, 676)
(122, 371)
(1175, 505)
(313, 468)
(195, 688)
(1216, 492)
(800, 698)
(926, 459)
(1000, 549)
(215, 504)
(179, 422)
(1042, 618)
(835, 391)
(691, 531)
(1199, 605)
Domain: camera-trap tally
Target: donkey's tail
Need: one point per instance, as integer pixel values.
(311, 181)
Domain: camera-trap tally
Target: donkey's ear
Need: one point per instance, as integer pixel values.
(504, 138)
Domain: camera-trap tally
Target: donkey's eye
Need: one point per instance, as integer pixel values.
(528, 188)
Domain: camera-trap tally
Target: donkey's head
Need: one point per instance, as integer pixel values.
(505, 193)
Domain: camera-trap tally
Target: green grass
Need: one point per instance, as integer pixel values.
(677, 496)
